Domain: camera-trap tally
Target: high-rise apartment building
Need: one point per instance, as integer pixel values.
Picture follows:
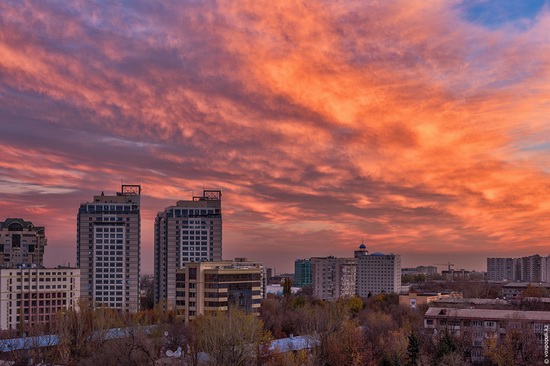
(31, 296)
(333, 277)
(302, 273)
(377, 272)
(190, 231)
(208, 287)
(108, 249)
(21, 243)
(533, 268)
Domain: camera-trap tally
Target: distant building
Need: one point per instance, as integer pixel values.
(453, 274)
(501, 269)
(31, 296)
(377, 273)
(190, 231)
(333, 277)
(207, 287)
(425, 270)
(21, 243)
(302, 273)
(534, 268)
(108, 249)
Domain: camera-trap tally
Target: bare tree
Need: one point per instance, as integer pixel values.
(231, 338)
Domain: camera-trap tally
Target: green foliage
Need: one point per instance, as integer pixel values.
(287, 287)
(413, 350)
(446, 346)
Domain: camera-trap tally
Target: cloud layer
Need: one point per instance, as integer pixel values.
(404, 123)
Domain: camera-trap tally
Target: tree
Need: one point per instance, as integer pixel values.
(287, 287)
(446, 346)
(413, 350)
(230, 338)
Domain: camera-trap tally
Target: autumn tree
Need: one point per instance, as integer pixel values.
(230, 338)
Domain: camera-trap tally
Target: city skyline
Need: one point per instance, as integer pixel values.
(420, 127)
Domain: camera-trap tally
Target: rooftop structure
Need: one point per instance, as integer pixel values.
(21, 243)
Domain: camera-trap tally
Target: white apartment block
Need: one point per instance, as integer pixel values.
(30, 296)
(377, 273)
(108, 249)
(333, 277)
(190, 231)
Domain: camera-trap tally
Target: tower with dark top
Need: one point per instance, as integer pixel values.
(108, 249)
(190, 231)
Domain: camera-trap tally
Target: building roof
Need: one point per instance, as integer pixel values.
(284, 345)
(525, 284)
(488, 314)
(18, 224)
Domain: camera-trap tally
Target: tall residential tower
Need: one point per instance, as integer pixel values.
(108, 245)
(190, 231)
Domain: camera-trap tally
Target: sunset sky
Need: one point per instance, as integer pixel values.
(422, 127)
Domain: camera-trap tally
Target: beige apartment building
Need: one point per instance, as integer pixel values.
(333, 277)
(30, 296)
(108, 249)
(208, 287)
(478, 326)
(413, 300)
(21, 243)
(190, 231)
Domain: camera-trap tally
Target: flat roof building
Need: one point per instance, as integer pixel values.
(333, 277)
(207, 287)
(480, 325)
(190, 231)
(31, 296)
(302, 273)
(108, 249)
(377, 273)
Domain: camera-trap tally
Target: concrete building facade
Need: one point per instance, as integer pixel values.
(21, 243)
(31, 296)
(108, 249)
(208, 287)
(480, 325)
(377, 273)
(534, 268)
(190, 231)
(333, 277)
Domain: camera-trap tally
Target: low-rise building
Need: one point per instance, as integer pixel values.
(30, 296)
(480, 325)
(425, 270)
(514, 289)
(207, 287)
(414, 299)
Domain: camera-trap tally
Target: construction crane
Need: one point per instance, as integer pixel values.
(448, 264)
